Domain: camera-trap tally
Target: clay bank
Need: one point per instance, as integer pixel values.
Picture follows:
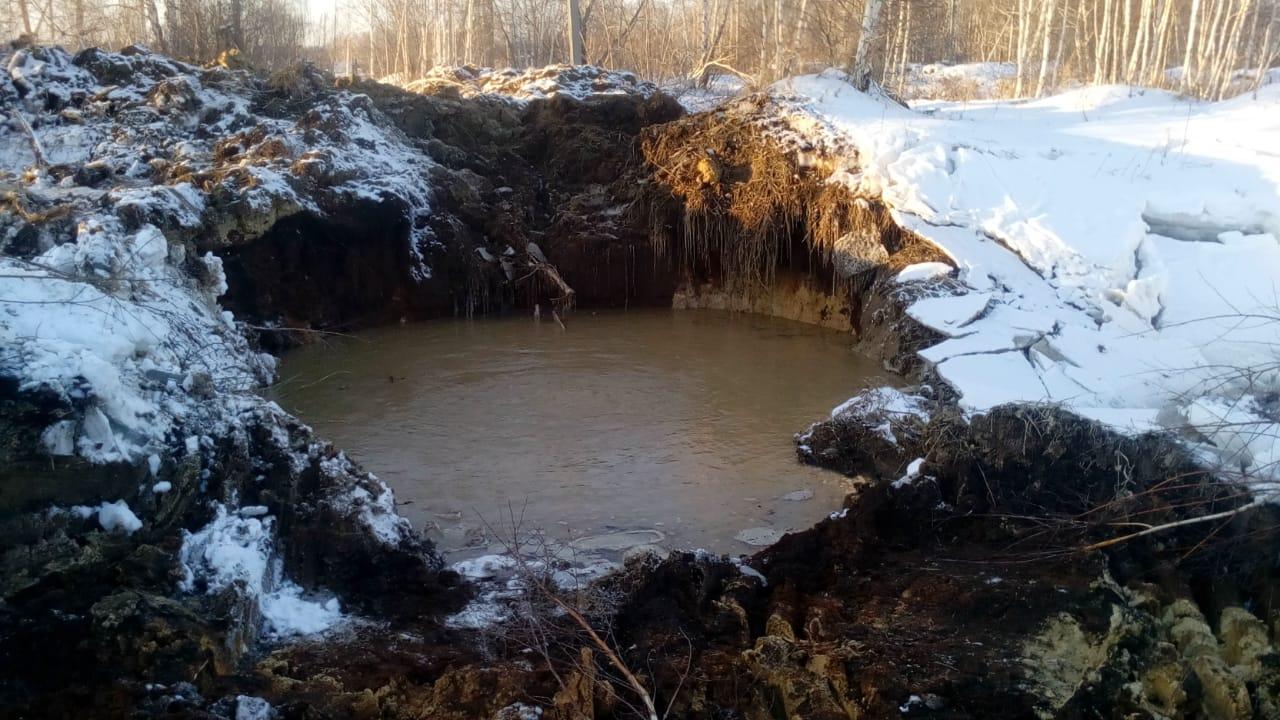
(174, 544)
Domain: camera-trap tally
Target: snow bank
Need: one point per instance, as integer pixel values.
(718, 90)
(1118, 246)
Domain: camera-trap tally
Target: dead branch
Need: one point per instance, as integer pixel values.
(723, 64)
(541, 583)
(36, 150)
(1164, 527)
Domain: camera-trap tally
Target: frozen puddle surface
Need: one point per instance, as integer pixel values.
(626, 430)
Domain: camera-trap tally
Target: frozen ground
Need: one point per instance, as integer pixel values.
(1117, 246)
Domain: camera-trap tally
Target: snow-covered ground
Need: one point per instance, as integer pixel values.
(1117, 246)
(959, 82)
(717, 90)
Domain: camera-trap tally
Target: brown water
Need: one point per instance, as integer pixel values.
(662, 427)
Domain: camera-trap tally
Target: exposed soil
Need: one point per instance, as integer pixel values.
(937, 598)
(509, 175)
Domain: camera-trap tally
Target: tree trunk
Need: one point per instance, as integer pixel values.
(906, 45)
(576, 52)
(1104, 39)
(860, 68)
(1134, 70)
(26, 16)
(1024, 32)
(952, 50)
(237, 26)
(1062, 42)
(793, 48)
(1227, 64)
(1189, 54)
(1049, 7)
(468, 20)
(1126, 39)
(153, 15)
(1155, 69)
(1269, 50)
(79, 20)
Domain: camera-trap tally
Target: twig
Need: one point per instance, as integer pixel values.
(540, 583)
(36, 150)
(1257, 502)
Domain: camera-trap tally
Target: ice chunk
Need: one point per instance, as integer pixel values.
(923, 271)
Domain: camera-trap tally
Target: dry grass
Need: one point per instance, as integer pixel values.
(745, 206)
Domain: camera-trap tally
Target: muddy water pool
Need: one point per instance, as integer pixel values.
(659, 427)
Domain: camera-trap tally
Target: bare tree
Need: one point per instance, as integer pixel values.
(577, 55)
(1048, 7)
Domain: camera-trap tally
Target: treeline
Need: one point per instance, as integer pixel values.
(270, 33)
(1209, 48)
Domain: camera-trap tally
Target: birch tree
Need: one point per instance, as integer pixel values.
(1048, 7)
(860, 68)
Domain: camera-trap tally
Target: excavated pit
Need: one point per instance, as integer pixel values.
(960, 594)
(930, 601)
(936, 600)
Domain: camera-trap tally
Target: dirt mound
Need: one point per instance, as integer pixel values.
(579, 82)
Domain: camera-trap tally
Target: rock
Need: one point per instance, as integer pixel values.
(647, 551)
(1162, 684)
(778, 626)
(160, 638)
(92, 174)
(859, 251)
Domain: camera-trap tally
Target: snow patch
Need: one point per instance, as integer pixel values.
(253, 708)
(233, 550)
(923, 271)
(116, 517)
(759, 536)
(913, 473)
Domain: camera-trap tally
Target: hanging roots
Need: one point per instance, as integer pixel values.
(728, 196)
